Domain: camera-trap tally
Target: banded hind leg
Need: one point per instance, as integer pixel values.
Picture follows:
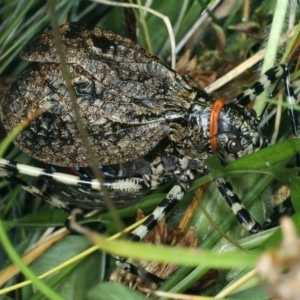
(9, 170)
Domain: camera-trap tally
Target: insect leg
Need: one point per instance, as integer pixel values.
(282, 206)
(270, 77)
(241, 213)
(285, 207)
(172, 198)
(119, 185)
(184, 177)
(8, 169)
(294, 117)
(33, 190)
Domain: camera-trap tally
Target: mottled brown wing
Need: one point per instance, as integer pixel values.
(131, 78)
(54, 138)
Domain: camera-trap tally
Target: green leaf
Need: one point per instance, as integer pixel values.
(73, 282)
(54, 217)
(263, 161)
(184, 256)
(267, 156)
(113, 291)
(295, 192)
(251, 293)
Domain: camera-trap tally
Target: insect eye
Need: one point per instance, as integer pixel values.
(235, 146)
(251, 113)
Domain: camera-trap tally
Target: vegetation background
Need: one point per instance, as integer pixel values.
(229, 35)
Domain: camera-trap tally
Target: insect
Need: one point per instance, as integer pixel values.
(145, 124)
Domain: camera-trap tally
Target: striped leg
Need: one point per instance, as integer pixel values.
(184, 177)
(53, 200)
(264, 82)
(119, 185)
(285, 205)
(241, 213)
(293, 114)
(225, 188)
(271, 76)
(172, 198)
(8, 169)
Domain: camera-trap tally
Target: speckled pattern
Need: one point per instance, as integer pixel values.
(143, 120)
